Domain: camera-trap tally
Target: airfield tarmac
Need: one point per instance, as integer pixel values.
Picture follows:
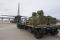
(9, 31)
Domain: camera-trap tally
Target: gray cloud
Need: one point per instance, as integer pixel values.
(50, 7)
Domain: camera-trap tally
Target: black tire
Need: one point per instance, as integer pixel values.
(26, 27)
(30, 30)
(22, 26)
(38, 34)
(54, 32)
(18, 26)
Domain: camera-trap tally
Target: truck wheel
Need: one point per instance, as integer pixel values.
(22, 26)
(18, 26)
(38, 34)
(26, 27)
(54, 32)
(30, 30)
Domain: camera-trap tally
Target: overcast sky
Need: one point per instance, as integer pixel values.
(50, 7)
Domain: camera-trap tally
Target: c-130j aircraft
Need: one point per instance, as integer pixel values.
(14, 17)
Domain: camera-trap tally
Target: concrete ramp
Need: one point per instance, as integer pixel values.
(10, 32)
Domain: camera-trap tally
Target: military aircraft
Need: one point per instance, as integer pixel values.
(14, 17)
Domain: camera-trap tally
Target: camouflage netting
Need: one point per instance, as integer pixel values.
(39, 19)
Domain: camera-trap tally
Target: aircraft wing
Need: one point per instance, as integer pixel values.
(6, 18)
